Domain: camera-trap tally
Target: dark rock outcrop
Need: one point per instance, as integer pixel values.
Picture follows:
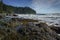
(17, 29)
(42, 32)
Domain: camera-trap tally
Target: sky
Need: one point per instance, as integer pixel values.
(40, 6)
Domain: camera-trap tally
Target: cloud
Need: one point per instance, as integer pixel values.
(46, 2)
(46, 5)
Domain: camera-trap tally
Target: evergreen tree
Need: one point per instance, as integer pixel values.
(1, 6)
(11, 9)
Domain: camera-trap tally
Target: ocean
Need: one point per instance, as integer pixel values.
(52, 19)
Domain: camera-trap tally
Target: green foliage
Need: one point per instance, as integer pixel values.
(1, 4)
(10, 9)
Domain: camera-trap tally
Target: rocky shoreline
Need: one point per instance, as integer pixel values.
(26, 29)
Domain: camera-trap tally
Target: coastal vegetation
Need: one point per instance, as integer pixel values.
(19, 10)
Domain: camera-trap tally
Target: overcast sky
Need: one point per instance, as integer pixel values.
(41, 6)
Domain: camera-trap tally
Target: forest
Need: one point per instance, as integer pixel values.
(4, 8)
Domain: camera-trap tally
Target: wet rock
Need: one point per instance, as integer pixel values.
(39, 32)
(1, 16)
(42, 25)
(56, 29)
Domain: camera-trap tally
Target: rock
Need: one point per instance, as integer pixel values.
(1, 16)
(39, 32)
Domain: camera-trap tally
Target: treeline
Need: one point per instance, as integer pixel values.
(11, 9)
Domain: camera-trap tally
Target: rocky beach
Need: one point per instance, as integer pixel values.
(20, 28)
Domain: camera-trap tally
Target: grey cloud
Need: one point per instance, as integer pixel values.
(46, 4)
